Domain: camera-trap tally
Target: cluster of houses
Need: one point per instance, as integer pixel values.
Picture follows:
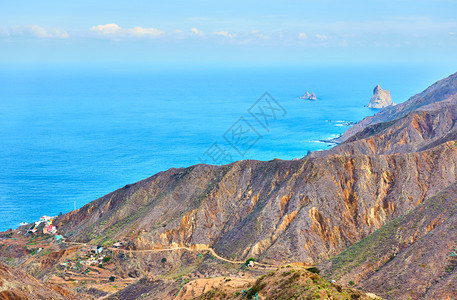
(48, 227)
(95, 256)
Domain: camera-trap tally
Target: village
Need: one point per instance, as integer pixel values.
(87, 268)
(81, 264)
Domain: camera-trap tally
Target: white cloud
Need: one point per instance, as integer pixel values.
(106, 29)
(37, 31)
(302, 35)
(197, 32)
(226, 34)
(321, 37)
(451, 33)
(115, 31)
(152, 32)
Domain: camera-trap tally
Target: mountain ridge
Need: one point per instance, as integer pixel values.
(441, 93)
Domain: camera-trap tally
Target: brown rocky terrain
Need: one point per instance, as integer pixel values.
(440, 94)
(306, 210)
(15, 284)
(411, 257)
(375, 211)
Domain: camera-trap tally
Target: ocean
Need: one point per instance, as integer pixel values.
(72, 133)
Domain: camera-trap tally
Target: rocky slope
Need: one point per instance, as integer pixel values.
(411, 257)
(441, 94)
(306, 210)
(416, 132)
(15, 284)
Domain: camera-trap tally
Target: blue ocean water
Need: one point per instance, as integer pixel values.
(70, 134)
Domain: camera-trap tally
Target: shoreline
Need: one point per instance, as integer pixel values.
(333, 141)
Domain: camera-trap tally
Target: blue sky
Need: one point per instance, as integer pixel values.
(287, 31)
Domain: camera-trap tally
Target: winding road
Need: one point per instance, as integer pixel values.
(211, 250)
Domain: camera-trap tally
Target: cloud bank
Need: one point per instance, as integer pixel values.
(115, 31)
(35, 31)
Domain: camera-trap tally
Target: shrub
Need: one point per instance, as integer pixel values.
(351, 283)
(112, 278)
(164, 260)
(314, 270)
(106, 259)
(248, 261)
(253, 291)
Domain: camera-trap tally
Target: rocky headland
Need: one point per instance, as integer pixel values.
(381, 98)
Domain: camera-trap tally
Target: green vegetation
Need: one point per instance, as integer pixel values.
(314, 270)
(33, 251)
(252, 292)
(44, 252)
(289, 283)
(9, 261)
(112, 278)
(248, 261)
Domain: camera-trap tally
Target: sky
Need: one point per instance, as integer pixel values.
(228, 32)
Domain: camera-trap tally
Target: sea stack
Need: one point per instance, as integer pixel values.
(381, 98)
(309, 96)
